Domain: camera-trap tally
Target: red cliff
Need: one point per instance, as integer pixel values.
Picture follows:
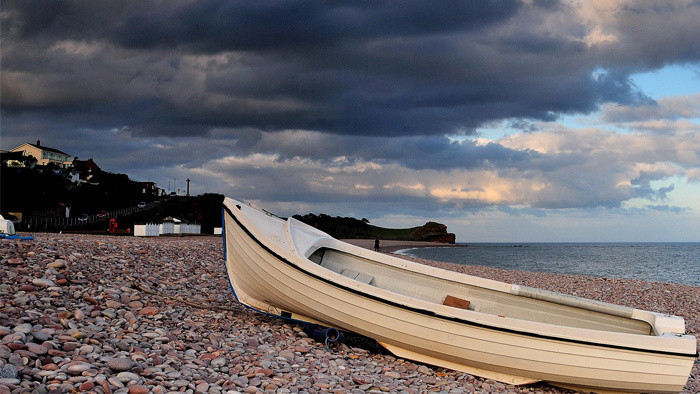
(433, 232)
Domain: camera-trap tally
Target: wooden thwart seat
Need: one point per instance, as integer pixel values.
(456, 302)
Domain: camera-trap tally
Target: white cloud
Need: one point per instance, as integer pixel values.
(577, 168)
(81, 48)
(666, 109)
(693, 175)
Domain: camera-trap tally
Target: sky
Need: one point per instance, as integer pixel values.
(509, 121)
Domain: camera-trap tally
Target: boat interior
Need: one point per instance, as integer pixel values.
(471, 297)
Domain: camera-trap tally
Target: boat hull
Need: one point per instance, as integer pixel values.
(273, 279)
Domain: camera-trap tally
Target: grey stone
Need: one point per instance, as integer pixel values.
(120, 364)
(41, 282)
(218, 362)
(25, 328)
(15, 359)
(9, 371)
(288, 354)
(126, 377)
(15, 337)
(77, 368)
(40, 336)
(180, 383)
(59, 263)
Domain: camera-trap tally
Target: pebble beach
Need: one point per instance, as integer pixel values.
(93, 313)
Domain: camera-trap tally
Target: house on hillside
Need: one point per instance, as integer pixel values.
(44, 155)
(16, 159)
(84, 170)
(88, 166)
(151, 189)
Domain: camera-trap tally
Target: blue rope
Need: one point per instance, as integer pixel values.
(27, 238)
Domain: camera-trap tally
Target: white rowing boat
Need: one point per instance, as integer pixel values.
(510, 333)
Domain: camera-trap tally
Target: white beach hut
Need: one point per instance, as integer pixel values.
(169, 225)
(6, 226)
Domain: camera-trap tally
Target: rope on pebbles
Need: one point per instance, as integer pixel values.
(145, 289)
(328, 335)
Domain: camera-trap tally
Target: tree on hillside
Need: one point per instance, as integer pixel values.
(338, 227)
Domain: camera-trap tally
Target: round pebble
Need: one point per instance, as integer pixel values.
(126, 377)
(37, 349)
(112, 304)
(218, 362)
(14, 262)
(149, 311)
(77, 368)
(39, 282)
(120, 364)
(40, 336)
(58, 263)
(25, 328)
(138, 389)
(9, 371)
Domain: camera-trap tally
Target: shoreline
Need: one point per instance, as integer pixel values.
(135, 315)
(689, 276)
(391, 246)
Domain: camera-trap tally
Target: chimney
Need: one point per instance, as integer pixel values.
(38, 142)
(188, 187)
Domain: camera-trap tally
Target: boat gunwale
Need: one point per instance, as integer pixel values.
(437, 315)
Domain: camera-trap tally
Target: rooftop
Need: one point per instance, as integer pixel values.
(46, 148)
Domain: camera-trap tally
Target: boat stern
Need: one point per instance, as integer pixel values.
(666, 323)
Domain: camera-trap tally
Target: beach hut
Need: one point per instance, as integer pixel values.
(6, 226)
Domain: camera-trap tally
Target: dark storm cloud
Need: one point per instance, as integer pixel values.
(352, 102)
(60, 19)
(363, 68)
(213, 26)
(417, 153)
(617, 88)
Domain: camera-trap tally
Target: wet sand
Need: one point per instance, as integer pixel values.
(103, 314)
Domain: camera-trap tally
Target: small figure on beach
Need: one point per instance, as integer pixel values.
(376, 244)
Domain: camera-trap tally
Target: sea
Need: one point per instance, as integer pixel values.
(650, 262)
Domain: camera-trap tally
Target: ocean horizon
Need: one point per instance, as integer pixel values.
(674, 262)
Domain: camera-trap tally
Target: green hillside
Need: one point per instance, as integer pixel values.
(348, 228)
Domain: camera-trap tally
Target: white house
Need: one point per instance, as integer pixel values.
(44, 155)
